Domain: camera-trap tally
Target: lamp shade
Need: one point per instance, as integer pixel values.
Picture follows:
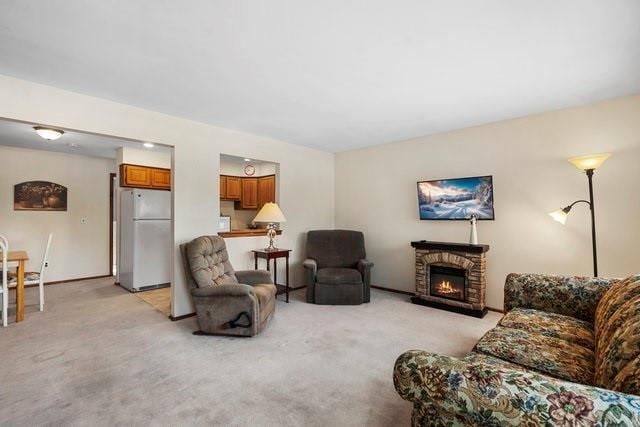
(270, 212)
(560, 215)
(590, 161)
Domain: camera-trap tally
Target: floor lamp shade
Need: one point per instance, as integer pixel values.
(590, 161)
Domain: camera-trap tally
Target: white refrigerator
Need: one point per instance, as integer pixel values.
(145, 239)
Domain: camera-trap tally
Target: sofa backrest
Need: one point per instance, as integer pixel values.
(335, 248)
(207, 262)
(617, 328)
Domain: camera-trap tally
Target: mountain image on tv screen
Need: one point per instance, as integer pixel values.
(458, 198)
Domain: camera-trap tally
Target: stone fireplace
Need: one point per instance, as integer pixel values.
(451, 276)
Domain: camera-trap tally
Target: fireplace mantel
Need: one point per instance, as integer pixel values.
(448, 246)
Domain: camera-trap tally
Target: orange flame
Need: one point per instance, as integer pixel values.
(445, 287)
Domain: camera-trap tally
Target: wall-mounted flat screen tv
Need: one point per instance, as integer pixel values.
(456, 199)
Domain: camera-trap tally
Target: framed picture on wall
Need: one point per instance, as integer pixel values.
(456, 199)
(39, 196)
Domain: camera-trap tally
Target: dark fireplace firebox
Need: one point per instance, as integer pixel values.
(448, 282)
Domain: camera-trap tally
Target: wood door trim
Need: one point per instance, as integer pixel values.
(112, 188)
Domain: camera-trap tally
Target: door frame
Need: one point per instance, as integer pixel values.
(112, 188)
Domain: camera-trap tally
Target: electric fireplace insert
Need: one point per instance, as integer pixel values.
(448, 282)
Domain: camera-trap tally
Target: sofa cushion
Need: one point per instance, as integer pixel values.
(553, 356)
(208, 261)
(628, 379)
(618, 337)
(342, 294)
(613, 298)
(551, 325)
(339, 276)
(335, 248)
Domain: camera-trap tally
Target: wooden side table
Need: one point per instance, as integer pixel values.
(274, 254)
(20, 257)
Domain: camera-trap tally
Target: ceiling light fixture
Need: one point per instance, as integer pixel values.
(247, 160)
(47, 133)
(148, 145)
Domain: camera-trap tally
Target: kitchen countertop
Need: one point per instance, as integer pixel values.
(246, 233)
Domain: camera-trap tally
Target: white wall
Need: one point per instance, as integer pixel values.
(306, 175)
(145, 157)
(376, 193)
(235, 167)
(78, 250)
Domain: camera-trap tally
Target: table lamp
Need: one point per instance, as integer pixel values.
(271, 214)
(588, 164)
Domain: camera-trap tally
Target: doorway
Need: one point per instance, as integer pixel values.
(77, 162)
(113, 238)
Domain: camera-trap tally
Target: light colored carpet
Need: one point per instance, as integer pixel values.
(160, 299)
(100, 356)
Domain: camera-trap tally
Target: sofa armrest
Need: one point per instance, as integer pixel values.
(254, 277)
(230, 290)
(482, 393)
(310, 271)
(364, 267)
(311, 265)
(229, 309)
(568, 295)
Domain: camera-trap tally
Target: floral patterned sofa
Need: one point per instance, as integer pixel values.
(567, 352)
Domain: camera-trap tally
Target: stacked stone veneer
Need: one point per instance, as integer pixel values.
(474, 264)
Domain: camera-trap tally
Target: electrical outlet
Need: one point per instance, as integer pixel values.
(83, 220)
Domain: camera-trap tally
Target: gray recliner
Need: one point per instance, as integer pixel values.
(336, 270)
(227, 302)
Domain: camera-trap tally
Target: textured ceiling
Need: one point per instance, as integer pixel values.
(331, 74)
(17, 134)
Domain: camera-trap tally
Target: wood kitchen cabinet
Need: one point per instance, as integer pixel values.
(138, 176)
(233, 188)
(248, 192)
(161, 178)
(266, 190)
(223, 187)
(249, 199)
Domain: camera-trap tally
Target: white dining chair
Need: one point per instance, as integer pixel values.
(34, 277)
(4, 291)
(4, 240)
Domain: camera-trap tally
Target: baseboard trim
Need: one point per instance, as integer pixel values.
(184, 316)
(397, 291)
(59, 282)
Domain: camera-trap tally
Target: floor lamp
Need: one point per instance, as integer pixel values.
(588, 164)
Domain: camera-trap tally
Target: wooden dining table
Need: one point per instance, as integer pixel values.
(21, 257)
